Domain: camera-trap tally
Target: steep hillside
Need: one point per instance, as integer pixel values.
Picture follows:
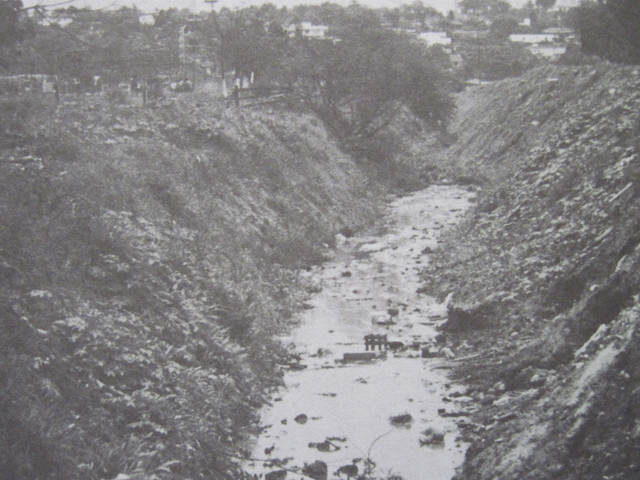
(544, 274)
(147, 257)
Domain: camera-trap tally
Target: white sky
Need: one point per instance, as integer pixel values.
(198, 5)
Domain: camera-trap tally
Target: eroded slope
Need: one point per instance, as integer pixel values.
(545, 273)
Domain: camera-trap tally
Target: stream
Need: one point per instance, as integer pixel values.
(340, 412)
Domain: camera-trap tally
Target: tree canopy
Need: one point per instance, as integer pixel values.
(359, 84)
(11, 28)
(14, 28)
(609, 28)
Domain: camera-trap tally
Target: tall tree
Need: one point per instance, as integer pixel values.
(609, 28)
(545, 4)
(12, 29)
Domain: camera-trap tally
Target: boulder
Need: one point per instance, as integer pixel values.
(301, 419)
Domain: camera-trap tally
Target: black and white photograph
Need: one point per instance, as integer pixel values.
(319, 240)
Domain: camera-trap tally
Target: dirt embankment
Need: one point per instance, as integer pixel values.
(544, 274)
(147, 255)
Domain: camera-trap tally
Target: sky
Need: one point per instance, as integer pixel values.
(197, 5)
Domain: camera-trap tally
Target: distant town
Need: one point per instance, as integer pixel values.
(178, 50)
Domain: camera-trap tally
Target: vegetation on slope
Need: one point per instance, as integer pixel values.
(147, 257)
(544, 273)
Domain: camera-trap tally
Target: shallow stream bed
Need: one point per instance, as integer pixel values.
(339, 413)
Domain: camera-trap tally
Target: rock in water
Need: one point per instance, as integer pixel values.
(447, 352)
(403, 419)
(317, 470)
(432, 437)
(348, 470)
(276, 475)
(327, 445)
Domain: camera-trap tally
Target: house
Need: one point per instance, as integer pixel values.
(550, 44)
(561, 33)
(146, 18)
(435, 38)
(532, 38)
(470, 35)
(308, 30)
(525, 22)
(26, 83)
(564, 5)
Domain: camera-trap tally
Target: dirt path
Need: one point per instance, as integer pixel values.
(345, 408)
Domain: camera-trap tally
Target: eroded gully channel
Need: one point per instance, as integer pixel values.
(343, 410)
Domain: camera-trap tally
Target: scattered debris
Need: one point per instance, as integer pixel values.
(361, 356)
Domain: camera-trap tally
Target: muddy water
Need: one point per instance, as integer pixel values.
(350, 404)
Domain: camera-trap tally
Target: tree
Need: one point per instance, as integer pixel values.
(248, 41)
(545, 4)
(12, 28)
(609, 29)
(392, 16)
(358, 85)
(493, 7)
(503, 26)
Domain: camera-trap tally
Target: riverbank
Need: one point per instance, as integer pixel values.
(543, 274)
